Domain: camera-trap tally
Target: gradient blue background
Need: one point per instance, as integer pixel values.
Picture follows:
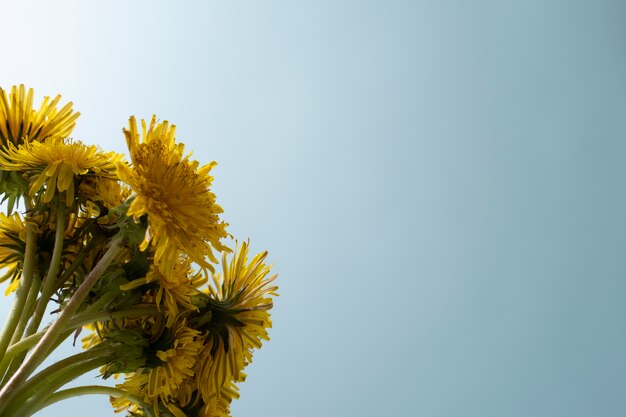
(440, 185)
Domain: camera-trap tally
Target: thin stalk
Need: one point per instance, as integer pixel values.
(29, 306)
(122, 314)
(62, 378)
(24, 288)
(89, 390)
(19, 330)
(47, 291)
(20, 346)
(31, 340)
(82, 254)
(44, 346)
(26, 343)
(102, 302)
(44, 384)
(39, 380)
(49, 281)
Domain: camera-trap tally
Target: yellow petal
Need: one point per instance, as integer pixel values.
(66, 177)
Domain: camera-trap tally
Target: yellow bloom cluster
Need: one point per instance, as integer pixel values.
(12, 242)
(208, 346)
(20, 122)
(241, 293)
(158, 312)
(174, 191)
(53, 165)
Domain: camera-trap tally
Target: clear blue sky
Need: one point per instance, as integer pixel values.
(440, 185)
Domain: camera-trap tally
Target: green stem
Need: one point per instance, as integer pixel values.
(102, 302)
(122, 314)
(47, 374)
(82, 255)
(88, 390)
(49, 282)
(29, 306)
(79, 321)
(25, 284)
(49, 339)
(45, 383)
(20, 346)
(27, 343)
(47, 291)
(17, 335)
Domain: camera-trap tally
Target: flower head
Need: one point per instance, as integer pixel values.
(173, 370)
(12, 246)
(20, 122)
(106, 191)
(239, 303)
(175, 291)
(174, 192)
(54, 164)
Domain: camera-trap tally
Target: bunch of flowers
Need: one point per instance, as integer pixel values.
(126, 252)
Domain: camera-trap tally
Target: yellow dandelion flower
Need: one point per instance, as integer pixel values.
(12, 246)
(174, 192)
(177, 295)
(109, 192)
(187, 395)
(55, 163)
(174, 291)
(219, 404)
(97, 195)
(19, 121)
(120, 404)
(239, 302)
(175, 368)
(93, 338)
(190, 404)
(157, 409)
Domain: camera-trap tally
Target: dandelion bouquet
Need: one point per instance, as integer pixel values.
(127, 252)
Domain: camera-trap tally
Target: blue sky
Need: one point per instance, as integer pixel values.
(440, 185)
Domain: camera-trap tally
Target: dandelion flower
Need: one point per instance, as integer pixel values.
(174, 192)
(239, 302)
(174, 291)
(12, 246)
(219, 404)
(174, 369)
(106, 191)
(20, 122)
(55, 163)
